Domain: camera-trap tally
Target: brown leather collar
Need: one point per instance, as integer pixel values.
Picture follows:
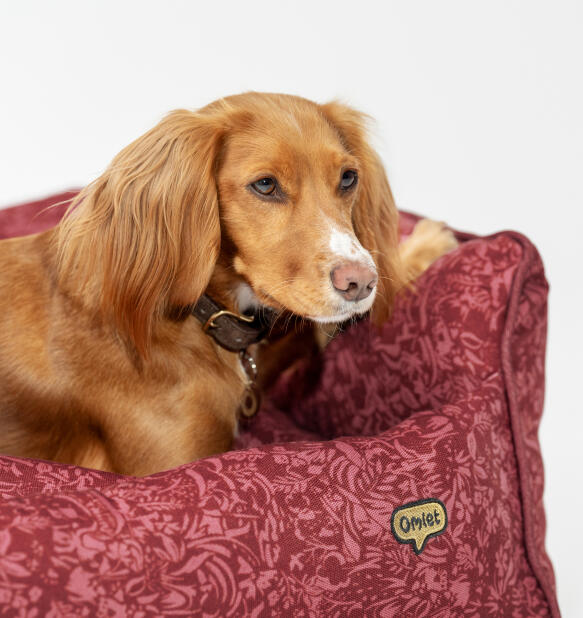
(230, 330)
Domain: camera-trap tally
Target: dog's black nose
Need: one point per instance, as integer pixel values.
(353, 281)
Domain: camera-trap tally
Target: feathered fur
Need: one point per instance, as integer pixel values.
(101, 363)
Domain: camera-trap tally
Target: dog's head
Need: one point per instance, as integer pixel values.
(286, 193)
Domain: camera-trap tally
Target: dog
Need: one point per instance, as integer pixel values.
(126, 329)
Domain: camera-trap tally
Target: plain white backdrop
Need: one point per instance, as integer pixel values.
(479, 121)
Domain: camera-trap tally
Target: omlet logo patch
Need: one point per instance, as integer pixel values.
(417, 522)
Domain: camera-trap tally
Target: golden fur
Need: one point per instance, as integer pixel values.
(100, 363)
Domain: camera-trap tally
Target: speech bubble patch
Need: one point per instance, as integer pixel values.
(417, 522)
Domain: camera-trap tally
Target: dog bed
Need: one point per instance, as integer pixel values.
(399, 476)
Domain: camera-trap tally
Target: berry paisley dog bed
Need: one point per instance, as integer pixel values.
(401, 476)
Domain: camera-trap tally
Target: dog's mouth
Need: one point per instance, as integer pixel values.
(332, 319)
(337, 318)
(337, 313)
(348, 311)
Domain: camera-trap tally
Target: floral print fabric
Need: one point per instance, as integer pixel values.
(441, 403)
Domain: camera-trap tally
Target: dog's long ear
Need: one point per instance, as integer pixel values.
(145, 235)
(375, 216)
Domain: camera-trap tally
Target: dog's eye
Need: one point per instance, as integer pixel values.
(264, 186)
(348, 180)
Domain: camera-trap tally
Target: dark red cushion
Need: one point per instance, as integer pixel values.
(310, 516)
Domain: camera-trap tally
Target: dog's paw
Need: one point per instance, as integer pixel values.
(434, 238)
(428, 242)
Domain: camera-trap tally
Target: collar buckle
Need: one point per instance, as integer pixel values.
(210, 323)
(232, 331)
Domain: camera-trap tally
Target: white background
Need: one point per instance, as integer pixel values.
(479, 120)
